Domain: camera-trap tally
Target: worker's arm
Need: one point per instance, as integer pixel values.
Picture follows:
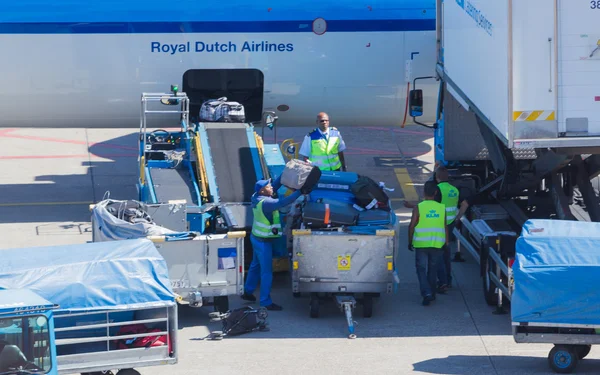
(409, 204)
(411, 227)
(276, 183)
(304, 152)
(464, 206)
(341, 155)
(341, 149)
(272, 204)
(446, 230)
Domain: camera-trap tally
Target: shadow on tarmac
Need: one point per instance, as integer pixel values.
(472, 364)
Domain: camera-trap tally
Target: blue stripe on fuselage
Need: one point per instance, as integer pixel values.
(371, 25)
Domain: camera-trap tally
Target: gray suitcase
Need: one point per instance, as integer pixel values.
(297, 173)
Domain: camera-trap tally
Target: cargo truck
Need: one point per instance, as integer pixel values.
(518, 119)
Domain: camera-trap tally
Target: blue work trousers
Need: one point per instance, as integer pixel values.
(445, 265)
(261, 269)
(426, 261)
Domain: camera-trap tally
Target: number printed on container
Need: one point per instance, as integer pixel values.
(180, 284)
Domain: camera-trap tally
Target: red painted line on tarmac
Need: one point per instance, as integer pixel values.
(396, 130)
(82, 156)
(6, 131)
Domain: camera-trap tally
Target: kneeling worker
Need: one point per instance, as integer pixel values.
(265, 228)
(427, 234)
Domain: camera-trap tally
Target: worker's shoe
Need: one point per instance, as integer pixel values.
(428, 299)
(274, 307)
(442, 289)
(248, 297)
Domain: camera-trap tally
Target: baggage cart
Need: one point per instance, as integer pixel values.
(113, 308)
(349, 266)
(553, 298)
(203, 269)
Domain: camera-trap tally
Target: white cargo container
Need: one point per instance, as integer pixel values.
(529, 68)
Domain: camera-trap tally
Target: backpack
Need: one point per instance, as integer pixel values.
(369, 194)
(240, 321)
(220, 110)
(139, 342)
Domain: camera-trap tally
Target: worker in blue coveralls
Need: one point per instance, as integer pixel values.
(266, 228)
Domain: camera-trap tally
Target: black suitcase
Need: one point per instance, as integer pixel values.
(323, 215)
(369, 194)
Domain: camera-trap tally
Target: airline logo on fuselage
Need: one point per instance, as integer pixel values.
(201, 47)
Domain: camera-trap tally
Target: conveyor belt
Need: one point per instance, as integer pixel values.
(172, 184)
(232, 158)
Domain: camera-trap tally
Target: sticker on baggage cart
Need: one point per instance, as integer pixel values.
(344, 262)
(180, 284)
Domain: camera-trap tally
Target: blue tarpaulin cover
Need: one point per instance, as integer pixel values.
(556, 272)
(109, 275)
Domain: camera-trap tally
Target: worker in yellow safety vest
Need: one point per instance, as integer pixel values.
(449, 198)
(324, 146)
(427, 235)
(448, 195)
(266, 228)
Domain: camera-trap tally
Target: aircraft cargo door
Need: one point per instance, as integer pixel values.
(245, 86)
(579, 67)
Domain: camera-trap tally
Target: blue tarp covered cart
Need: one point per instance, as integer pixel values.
(116, 306)
(555, 299)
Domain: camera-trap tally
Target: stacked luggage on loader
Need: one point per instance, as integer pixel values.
(343, 245)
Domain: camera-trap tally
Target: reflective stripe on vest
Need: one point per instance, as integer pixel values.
(450, 200)
(261, 227)
(324, 154)
(430, 231)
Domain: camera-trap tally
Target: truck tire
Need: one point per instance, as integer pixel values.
(489, 289)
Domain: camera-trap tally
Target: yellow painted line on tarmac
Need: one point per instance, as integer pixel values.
(43, 204)
(406, 184)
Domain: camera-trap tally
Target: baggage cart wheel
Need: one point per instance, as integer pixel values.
(583, 350)
(367, 306)
(563, 359)
(222, 304)
(314, 307)
(128, 371)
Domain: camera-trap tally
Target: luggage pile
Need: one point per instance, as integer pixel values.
(221, 110)
(337, 199)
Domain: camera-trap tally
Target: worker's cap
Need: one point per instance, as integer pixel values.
(261, 184)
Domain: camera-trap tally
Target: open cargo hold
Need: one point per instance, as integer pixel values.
(548, 53)
(556, 269)
(103, 290)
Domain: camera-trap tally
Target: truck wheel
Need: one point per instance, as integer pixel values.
(314, 307)
(128, 371)
(222, 304)
(489, 289)
(583, 350)
(367, 306)
(562, 359)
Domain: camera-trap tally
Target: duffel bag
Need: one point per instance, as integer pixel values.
(220, 110)
(369, 194)
(299, 174)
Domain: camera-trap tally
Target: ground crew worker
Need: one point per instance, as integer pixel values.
(324, 146)
(448, 196)
(427, 234)
(266, 227)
